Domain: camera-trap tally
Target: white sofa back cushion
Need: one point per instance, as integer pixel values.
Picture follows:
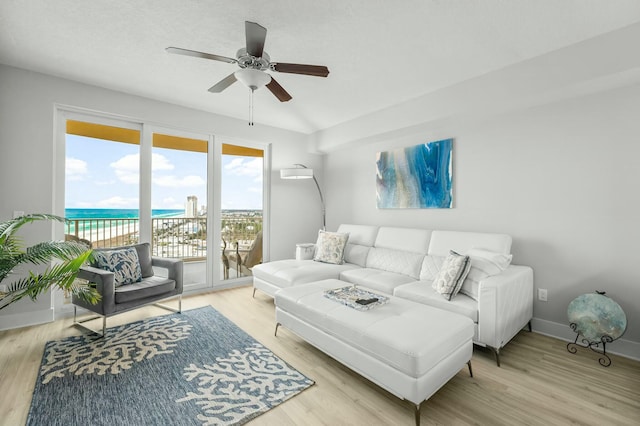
(405, 239)
(361, 238)
(356, 254)
(462, 242)
(364, 235)
(398, 261)
(431, 266)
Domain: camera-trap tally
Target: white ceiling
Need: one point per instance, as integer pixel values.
(379, 53)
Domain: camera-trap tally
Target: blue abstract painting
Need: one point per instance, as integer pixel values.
(416, 177)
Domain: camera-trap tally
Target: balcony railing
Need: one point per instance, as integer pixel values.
(184, 238)
(101, 233)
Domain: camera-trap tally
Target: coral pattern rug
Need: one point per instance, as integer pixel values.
(194, 368)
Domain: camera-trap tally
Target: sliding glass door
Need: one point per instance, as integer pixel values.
(123, 182)
(180, 202)
(102, 190)
(241, 220)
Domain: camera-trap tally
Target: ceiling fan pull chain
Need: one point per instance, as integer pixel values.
(251, 108)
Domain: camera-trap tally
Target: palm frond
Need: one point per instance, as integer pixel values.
(69, 255)
(9, 227)
(62, 276)
(45, 251)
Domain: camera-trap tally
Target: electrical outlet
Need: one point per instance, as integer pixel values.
(542, 294)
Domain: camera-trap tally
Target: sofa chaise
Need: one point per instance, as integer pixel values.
(403, 262)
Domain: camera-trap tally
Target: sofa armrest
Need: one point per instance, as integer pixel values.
(505, 305)
(174, 269)
(105, 285)
(305, 251)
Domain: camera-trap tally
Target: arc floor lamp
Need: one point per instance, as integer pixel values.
(303, 172)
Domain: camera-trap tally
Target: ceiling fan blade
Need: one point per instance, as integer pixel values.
(278, 91)
(197, 54)
(256, 35)
(223, 84)
(314, 70)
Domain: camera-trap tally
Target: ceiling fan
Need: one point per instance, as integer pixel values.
(253, 62)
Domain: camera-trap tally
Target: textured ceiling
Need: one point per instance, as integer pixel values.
(379, 53)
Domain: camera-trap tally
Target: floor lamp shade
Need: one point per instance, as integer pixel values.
(303, 172)
(297, 173)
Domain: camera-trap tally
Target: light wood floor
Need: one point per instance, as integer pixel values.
(539, 383)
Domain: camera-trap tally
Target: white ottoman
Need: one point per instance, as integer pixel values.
(405, 347)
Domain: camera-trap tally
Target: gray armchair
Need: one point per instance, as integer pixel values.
(118, 299)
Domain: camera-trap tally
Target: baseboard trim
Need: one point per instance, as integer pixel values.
(622, 347)
(26, 319)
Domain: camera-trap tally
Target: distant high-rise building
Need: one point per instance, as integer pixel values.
(191, 208)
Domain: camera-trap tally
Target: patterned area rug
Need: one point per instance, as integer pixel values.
(194, 368)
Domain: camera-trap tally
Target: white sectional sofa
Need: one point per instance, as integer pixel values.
(403, 262)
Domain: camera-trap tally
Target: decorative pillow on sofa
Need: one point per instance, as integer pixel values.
(330, 247)
(124, 263)
(452, 274)
(484, 264)
(144, 256)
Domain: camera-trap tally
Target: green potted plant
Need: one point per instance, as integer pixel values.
(67, 257)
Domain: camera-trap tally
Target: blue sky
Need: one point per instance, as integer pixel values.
(105, 174)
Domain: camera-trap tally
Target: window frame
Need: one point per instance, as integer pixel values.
(62, 113)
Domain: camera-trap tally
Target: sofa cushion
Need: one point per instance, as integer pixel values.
(356, 253)
(398, 261)
(364, 235)
(124, 264)
(375, 279)
(330, 247)
(144, 254)
(484, 264)
(452, 274)
(148, 287)
(431, 266)
(443, 241)
(405, 239)
(423, 292)
(285, 273)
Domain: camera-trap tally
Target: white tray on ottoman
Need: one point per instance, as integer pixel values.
(407, 348)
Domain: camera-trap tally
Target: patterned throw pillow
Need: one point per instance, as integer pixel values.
(330, 247)
(124, 264)
(452, 274)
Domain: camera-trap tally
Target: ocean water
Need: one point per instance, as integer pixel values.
(116, 213)
(90, 219)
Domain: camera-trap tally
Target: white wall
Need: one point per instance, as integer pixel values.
(562, 179)
(26, 159)
(550, 161)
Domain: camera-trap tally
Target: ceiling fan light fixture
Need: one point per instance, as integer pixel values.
(252, 78)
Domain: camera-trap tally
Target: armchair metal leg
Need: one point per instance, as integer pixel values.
(275, 333)
(254, 293)
(80, 323)
(470, 369)
(169, 308)
(416, 414)
(529, 324)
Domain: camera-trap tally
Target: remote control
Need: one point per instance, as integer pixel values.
(366, 301)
